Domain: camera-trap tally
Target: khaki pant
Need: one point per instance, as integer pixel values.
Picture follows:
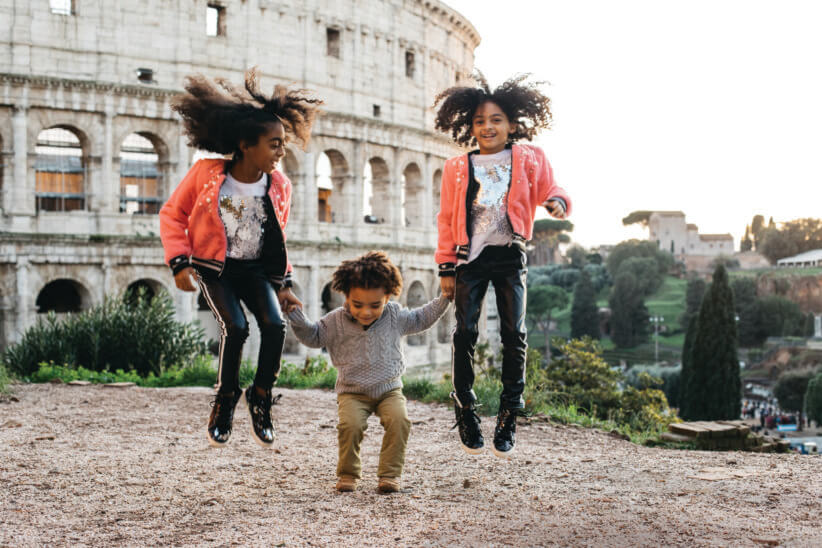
(354, 410)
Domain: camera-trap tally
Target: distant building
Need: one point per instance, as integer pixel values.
(808, 259)
(672, 233)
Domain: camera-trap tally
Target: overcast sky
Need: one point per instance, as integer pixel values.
(709, 107)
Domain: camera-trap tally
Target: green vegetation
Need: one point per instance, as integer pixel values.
(584, 312)
(813, 399)
(4, 379)
(125, 333)
(790, 239)
(712, 387)
(791, 388)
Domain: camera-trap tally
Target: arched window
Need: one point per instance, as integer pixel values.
(332, 190)
(148, 288)
(62, 296)
(412, 206)
(59, 171)
(377, 191)
(445, 326)
(140, 178)
(436, 187)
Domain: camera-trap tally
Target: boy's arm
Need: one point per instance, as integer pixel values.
(313, 335)
(551, 195)
(419, 319)
(446, 254)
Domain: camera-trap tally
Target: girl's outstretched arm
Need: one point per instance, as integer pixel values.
(419, 319)
(313, 335)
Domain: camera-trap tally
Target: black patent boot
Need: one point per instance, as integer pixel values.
(468, 422)
(222, 415)
(504, 432)
(259, 407)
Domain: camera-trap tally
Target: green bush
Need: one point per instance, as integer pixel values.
(314, 373)
(123, 333)
(669, 375)
(4, 379)
(200, 372)
(813, 399)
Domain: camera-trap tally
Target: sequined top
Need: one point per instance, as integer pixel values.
(489, 213)
(242, 209)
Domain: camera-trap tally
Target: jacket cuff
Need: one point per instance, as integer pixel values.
(561, 202)
(446, 270)
(287, 281)
(178, 263)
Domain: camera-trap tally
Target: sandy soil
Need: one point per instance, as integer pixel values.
(131, 466)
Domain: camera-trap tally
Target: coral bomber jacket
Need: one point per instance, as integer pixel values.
(532, 184)
(191, 226)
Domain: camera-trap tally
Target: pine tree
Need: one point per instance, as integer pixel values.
(584, 311)
(629, 316)
(715, 389)
(746, 244)
(686, 394)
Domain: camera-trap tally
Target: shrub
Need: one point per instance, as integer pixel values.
(124, 333)
(4, 380)
(315, 372)
(813, 399)
(790, 389)
(670, 377)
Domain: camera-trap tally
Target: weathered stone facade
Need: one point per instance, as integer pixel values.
(105, 70)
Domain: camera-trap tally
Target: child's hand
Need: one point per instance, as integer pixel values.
(183, 279)
(288, 301)
(555, 208)
(447, 284)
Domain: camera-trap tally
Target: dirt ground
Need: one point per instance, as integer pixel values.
(130, 466)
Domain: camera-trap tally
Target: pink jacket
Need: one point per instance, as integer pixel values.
(191, 228)
(532, 185)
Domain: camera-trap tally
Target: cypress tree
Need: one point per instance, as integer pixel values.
(629, 316)
(715, 389)
(584, 311)
(686, 393)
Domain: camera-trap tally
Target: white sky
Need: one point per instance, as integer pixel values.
(709, 107)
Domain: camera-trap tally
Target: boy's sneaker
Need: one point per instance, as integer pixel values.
(346, 484)
(469, 427)
(389, 485)
(222, 415)
(504, 432)
(259, 407)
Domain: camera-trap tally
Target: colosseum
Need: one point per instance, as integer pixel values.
(91, 149)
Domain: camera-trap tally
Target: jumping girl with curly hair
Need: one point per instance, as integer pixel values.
(488, 201)
(224, 226)
(363, 338)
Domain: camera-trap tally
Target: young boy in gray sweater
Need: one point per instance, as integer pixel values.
(363, 338)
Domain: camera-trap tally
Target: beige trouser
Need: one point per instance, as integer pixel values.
(354, 410)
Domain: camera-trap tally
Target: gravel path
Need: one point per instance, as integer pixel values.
(130, 466)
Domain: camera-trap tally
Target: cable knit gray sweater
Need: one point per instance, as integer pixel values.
(368, 361)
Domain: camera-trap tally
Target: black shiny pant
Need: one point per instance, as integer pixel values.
(505, 268)
(244, 281)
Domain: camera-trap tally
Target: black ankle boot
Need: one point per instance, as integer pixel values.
(505, 431)
(469, 428)
(259, 407)
(222, 415)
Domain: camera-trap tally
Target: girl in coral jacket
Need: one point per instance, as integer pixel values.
(488, 201)
(224, 227)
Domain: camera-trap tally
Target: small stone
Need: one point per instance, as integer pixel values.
(466, 483)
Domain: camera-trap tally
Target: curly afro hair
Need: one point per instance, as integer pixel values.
(369, 271)
(218, 116)
(524, 105)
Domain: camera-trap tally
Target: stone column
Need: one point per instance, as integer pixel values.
(357, 190)
(428, 207)
(817, 326)
(395, 195)
(23, 182)
(107, 195)
(24, 311)
(309, 194)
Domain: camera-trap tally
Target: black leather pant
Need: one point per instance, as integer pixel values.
(244, 281)
(505, 268)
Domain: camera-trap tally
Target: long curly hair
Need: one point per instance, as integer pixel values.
(369, 271)
(218, 116)
(526, 107)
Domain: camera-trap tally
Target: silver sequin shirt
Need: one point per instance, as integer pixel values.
(489, 213)
(242, 210)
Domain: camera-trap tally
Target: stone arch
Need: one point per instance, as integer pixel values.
(416, 297)
(377, 190)
(151, 287)
(63, 295)
(61, 169)
(436, 186)
(330, 299)
(333, 176)
(412, 193)
(143, 161)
